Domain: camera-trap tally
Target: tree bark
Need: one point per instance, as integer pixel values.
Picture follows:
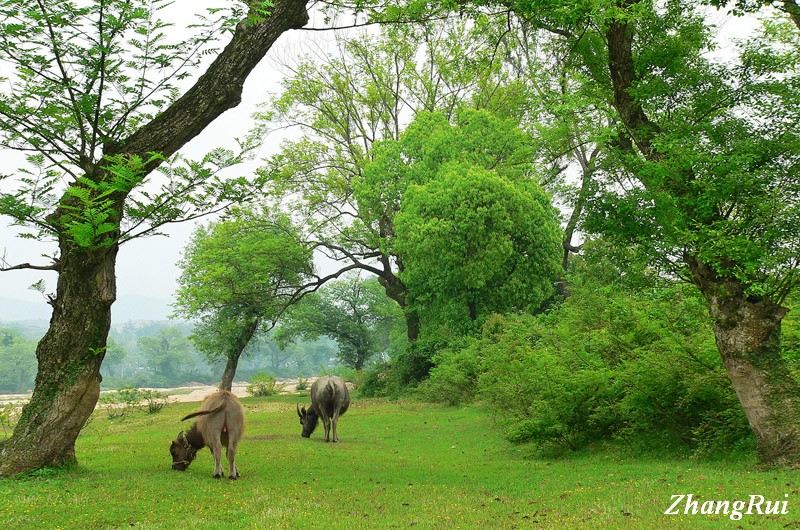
(69, 355)
(236, 352)
(747, 332)
(69, 358)
(587, 171)
(229, 373)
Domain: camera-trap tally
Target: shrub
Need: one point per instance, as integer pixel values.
(121, 402)
(262, 385)
(9, 414)
(302, 384)
(380, 380)
(155, 401)
(543, 396)
(454, 378)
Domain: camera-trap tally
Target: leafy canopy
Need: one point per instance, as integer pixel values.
(237, 273)
(473, 228)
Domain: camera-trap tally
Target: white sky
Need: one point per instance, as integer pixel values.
(148, 267)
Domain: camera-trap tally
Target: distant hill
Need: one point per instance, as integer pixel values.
(127, 308)
(12, 310)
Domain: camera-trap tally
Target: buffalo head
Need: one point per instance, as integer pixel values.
(308, 419)
(182, 452)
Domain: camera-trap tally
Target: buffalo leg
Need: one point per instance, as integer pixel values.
(335, 421)
(233, 471)
(326, 423)
(216, 449)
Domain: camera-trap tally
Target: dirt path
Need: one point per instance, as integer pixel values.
(181, 394)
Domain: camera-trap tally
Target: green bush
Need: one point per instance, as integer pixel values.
(120, 403)
(634, 363)
(454, 378)
(262, 385)
(302, 384)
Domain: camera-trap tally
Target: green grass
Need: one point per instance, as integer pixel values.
(399, 465)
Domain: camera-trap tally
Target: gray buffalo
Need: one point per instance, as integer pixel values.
(329, 400)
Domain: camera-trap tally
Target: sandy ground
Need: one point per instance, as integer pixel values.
(182, 394)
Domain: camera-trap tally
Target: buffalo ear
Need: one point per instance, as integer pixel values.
(300, 414)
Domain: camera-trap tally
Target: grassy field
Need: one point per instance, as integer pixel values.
(399, 465)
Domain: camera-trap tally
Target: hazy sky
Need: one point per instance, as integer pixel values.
(149, 267)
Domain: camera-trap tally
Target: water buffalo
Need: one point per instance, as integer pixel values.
(221, 424)
(329, 400)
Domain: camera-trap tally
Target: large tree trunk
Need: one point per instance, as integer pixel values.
(69, 357)
(747, 331)
(397, 291)
(229, 373)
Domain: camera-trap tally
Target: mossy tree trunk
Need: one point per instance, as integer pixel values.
(69, 358)
(747, 331)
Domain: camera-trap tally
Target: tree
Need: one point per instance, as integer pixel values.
(238, 276)
(347, 103)
(353, 312)
(718, 183)
(94, 99)
(460, 206)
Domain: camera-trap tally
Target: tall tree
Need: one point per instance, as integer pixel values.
(719, 184)
(238, 276)
(94, 98)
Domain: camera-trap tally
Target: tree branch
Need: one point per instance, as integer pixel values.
(216, 91)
